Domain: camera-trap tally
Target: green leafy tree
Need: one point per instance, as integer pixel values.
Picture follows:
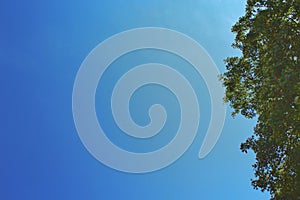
(265, 82)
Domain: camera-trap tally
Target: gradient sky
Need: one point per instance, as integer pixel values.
(42, 45)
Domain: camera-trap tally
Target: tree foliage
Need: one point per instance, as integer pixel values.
(265, 82)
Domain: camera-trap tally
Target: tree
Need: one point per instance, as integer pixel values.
(265, 82)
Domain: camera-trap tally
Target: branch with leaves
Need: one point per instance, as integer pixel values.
(265, 82)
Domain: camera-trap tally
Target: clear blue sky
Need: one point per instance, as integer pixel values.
(42, 45)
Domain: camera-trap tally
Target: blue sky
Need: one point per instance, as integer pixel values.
(42, 45)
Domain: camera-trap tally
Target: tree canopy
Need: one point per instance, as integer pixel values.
(264, 82)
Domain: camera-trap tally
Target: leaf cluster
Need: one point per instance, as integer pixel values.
(265, 82)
